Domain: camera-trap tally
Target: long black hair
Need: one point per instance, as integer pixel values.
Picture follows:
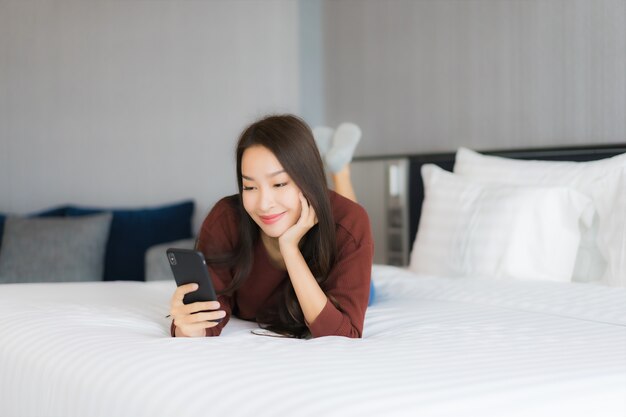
(290, 139)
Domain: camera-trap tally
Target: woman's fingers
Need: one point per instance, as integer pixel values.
(198, 327)
(312, 217)
(200, 306)
(308, 213)
(179, 294)
(192, 324)
(192, 319)
(213, 316)
(292, 236)
(205, 316)
(193, 308)
(306, 208)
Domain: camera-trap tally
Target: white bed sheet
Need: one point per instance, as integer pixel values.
(431, 347)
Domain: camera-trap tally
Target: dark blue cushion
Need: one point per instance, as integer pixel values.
(133, 231)
(60, 211)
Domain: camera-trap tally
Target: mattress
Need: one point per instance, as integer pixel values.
(432, 347)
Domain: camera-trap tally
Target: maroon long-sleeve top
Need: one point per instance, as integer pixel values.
(348, 281)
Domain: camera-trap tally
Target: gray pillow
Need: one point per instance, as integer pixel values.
(54, 249)
(157, 265)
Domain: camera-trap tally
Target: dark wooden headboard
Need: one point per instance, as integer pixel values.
(446, 161)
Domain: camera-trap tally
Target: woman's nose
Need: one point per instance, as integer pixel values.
(267, 200)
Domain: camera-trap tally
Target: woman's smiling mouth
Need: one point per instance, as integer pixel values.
(271, 219)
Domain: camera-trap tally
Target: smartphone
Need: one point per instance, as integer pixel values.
(189, 266)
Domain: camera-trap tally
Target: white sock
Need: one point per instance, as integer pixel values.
(323, 136)
(345, 139)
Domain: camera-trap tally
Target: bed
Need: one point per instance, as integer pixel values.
(433, 345)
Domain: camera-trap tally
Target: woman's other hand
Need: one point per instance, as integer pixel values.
(292, 236)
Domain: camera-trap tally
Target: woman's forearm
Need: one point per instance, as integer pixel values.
(310, 296)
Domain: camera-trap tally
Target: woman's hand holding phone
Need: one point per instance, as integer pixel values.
(191, 320)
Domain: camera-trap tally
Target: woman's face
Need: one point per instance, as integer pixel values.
(269, 195)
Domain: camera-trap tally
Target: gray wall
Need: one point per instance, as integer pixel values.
(131, 103)
(139, 102)
(425, 75)
(311, 52)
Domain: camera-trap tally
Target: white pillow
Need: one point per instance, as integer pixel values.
(610, 198)
(495, 231)
(598, 260)
(522, 172)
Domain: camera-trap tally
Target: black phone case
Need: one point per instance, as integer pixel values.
(190, 266)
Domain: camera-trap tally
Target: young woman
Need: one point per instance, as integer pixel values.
(286, 251)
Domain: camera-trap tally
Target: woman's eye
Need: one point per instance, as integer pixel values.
(282, 184)
(245, 188)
